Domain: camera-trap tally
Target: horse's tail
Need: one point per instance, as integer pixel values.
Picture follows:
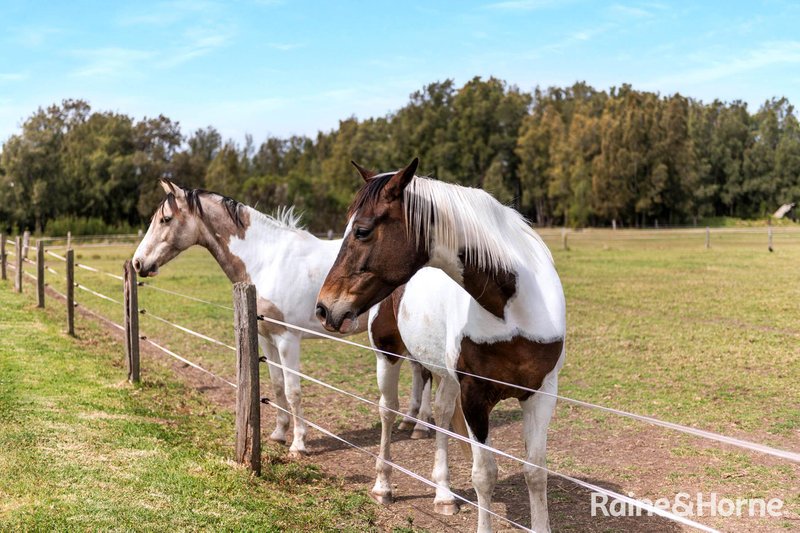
(460, 427)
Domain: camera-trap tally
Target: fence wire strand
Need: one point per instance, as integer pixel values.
(97, 294)
(187, 330)
(193, 298)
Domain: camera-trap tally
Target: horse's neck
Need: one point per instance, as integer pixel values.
(236, 271)
(492, 290)
(243, 252)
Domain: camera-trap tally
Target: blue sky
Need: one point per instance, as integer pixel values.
(282, 67)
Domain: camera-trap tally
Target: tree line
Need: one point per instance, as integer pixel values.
(576, 156)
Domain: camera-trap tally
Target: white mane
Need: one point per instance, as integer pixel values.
(283, 217)
(493, 236)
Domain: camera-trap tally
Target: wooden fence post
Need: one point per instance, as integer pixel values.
(248, 406)
(3, 274)
(26, 241)
(131, 303)
(39, 273)
(69, 240)
(769, 238)
(18, 264)
(71, 292)
(708, 237)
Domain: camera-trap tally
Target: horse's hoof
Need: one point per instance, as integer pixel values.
(406, 425)
(277, 438)
(297, 454)
(445, 508)
(381, 499)
(418, 434)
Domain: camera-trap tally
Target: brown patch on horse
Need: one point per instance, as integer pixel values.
(491, 290)
(222, 225)
(268, 309)
(519, 361)
(385, 334)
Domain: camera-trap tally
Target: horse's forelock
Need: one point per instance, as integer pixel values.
(193, 202)
(171, 201)
(369, 194)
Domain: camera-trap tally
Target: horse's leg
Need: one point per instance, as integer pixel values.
(537, 411)
(289, 349)
(444, 404)
(421, 431)
(478, 401)
(417, 385)
(484, 479)
(388, 373)
(276, 377)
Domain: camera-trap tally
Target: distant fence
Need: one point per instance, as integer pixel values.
(701, 237)
(248, 401)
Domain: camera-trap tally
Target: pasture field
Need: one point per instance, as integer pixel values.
(80, 449)
(657, 325)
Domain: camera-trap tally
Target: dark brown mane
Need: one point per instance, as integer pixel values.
(194, 205)
(369, 194)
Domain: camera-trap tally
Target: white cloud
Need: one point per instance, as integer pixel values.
(766, 55)
(630, 11)
(109, 62)
(7, 77)
(285, 47)
(196, 42)
(169, 13)
(34, 36)
(523, 5)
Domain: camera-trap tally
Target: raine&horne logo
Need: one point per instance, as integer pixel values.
(684, 505)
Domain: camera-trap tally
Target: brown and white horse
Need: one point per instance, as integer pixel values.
(286, 264)
(492, 306)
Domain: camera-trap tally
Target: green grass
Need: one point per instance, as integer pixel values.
(657, 325)
(80, 449)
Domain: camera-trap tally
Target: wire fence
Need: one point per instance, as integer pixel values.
(724, 439)
(632, 501)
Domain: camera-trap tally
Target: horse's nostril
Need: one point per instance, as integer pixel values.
(137, 265)
(322, 312)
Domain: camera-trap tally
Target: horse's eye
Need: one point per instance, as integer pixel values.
(166, 220)
(363, 233)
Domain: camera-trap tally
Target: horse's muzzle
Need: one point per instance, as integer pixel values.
(144, 271)
(337, 322)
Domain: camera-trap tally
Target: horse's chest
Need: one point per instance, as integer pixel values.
(518, 361)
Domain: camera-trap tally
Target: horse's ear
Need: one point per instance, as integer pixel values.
(167, 185)
(366, 174)
(173, 188)
(397, 183)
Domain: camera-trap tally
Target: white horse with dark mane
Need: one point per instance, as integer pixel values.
(286, 264)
